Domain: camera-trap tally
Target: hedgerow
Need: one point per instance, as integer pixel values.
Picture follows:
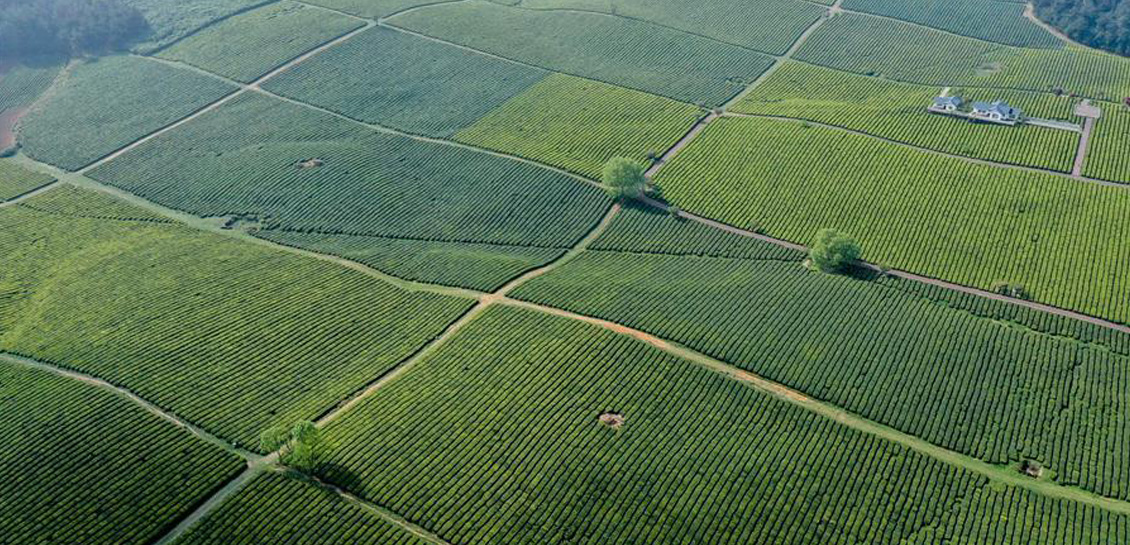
(898, 111)
(615, 50)
(249, 45)
(16, 180)
(578, 124)
(917, 54)
(527, 428)
(82, 465)
(406, 82)
(234, 337)
(283, 508)
(247, 158)
(938, 216)
(106, 104)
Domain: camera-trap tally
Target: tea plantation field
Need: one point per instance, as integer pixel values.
(561, 272)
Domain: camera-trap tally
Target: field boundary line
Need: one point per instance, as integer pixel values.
(132, 397)
(30, 194)
(905, 275)
(1081, 151)
(381, 511)
(211, 24)
(998, 473)
(966, 158)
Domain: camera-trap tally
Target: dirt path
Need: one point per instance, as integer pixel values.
(1084, 142)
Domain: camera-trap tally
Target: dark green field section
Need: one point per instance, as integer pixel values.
(642, 230)
(251, 44)
(897, 111)
(16, 180)
(82, 465)
(887, 350)
(284, 509)
(498, 438)
(992, 20)
(1061, 239)
(770, 26)
(172, 21)
(22, 83)
(484, 267)
(405, 82)
(614, 50)
(913, 53)
(106, 104)
(233, 337)
(578, 124)
(374, 8)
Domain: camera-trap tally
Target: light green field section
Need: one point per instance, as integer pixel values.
(406, 82)
(251, 44)
(897, 111)
(578, 124)
(232, 336)
(484, 267)
(497, 438)
(106, 104)
(83, 465)
(770, 26)
(172, 21)
(902, 51)
(16, 180)
(614, 50)
(286, 508)
(1061, 239)
(1108, 154)
(645, 230)
(992, 20)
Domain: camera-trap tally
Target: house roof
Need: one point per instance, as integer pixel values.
(946, 101)
(999, 106)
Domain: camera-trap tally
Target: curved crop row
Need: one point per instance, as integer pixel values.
(527, 428)
(82, 465)
(1060, 239)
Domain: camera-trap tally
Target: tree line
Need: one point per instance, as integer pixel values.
(1104, 24)
(31, 28)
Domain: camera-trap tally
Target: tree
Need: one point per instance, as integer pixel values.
(624, 178)
(32, 28)
(833, 251)
(300, 446)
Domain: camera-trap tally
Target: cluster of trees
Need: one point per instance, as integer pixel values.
(30, 28)
(1104, 24)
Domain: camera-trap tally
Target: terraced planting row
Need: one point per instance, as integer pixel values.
(917, 54)
(528, 428)
(615, 50)
(21, 84)
(105, 104)
(897, 111)
(994, 21)
(405, 82)
(82, 465)
(251, 44)
(16, 180)
(920, 363)
(578, 124)
(770, 26)
(1108, 154)
(1058, 238)
(234, 337)
(172, 21)
(285, 508)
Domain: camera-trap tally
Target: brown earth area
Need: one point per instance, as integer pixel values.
(8, 119)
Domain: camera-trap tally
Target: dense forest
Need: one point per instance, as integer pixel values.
(1104, 24)
(66, 27)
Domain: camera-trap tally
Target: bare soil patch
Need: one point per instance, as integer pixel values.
(612, 420)
(8, 120)
(309, 163)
